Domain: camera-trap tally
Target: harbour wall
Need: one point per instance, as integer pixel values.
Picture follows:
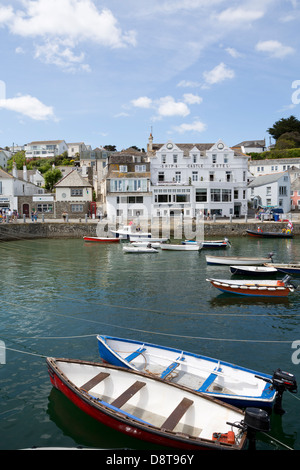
(209, 229)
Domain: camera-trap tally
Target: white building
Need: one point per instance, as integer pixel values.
(4, 157)
(191, 179)
(272, 190)
(45, 149)
(267, 166)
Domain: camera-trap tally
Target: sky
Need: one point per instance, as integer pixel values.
(111, 72)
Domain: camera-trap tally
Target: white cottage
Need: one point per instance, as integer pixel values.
(272, 190)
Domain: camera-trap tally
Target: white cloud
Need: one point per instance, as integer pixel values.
(218, 74)
(142, 102)
(57, 21)
(233, 52)
(274, 48)
(240, 15)
(188, 84)
(169, 107)
(60, 53)
(28, 106)
(189, 98)
(196, 126)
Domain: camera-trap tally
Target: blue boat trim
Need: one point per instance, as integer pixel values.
(135, 354)
(264, 400)
(171, 367)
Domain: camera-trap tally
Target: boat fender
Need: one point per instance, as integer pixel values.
(225, 438)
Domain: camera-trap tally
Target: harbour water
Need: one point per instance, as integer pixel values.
(57, 295)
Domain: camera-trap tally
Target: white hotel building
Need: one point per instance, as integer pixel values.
(197, 179)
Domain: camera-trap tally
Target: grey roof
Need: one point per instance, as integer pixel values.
(73, 179)
(266, 179)
(251, 143)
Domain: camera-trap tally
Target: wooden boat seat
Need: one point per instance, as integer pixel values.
(177, 414)
(170, 368)
(125, 396)
(135, 354)
(94, 381)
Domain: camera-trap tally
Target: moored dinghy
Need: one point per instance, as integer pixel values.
(140, 249)
(175, 247)
(230, 383)
(239, 260)
(101, 239)
(264, 288)
(150, 409)
(254, 270)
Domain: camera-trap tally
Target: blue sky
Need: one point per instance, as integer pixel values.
(107, 72)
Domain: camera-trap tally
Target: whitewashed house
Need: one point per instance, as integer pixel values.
(272, 165)
(45, 149)
(198, 179)
(17, 194)
(272, 190)
(5, 155)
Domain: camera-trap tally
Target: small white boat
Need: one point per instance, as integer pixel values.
(293, 268)
(139, 249)
(231, 383)
(174, 247)
(150, 409)
(238, 260)
(134, 238)
(141, 244)
(253, 270)
(127, 230)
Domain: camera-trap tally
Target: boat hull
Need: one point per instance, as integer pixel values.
(170, 247)
(101, 239)
(288, 269)
(254, 233)
(253, 270)
(228, 260)
(252, 288)
(193, 371)
(92, 403)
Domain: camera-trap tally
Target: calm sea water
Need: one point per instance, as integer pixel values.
(57, 295)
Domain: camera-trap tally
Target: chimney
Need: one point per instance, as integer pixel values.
(25, 172)
(14, 170)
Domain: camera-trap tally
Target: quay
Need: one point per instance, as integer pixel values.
(78, 228)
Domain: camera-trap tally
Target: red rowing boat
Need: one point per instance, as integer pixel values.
(102, 239)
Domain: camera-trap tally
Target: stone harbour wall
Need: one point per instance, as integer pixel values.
(78, 229)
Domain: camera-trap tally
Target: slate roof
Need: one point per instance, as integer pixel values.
(266, 179)
(73, 179)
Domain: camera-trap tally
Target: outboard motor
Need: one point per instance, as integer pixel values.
(281, 381)
(255, 420)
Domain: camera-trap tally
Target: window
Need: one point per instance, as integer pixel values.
(163, 159)
(226, 195)
(140, 168)
(269, 190)
(201, 195)
(175, 158)
(195, 176)
(211, 176)
(182, 198)
(215, 195)
(236, 193)
(77, 192)
(161, 176)
(194, 158)
(42, 208)
(0, 187)
(76, 207)
(178, 176)
(226, 158)
(123, 168)
(214, 158)
(282, 191)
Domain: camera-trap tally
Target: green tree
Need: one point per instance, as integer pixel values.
(291, 124)
(51, 178)
(20, 160)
